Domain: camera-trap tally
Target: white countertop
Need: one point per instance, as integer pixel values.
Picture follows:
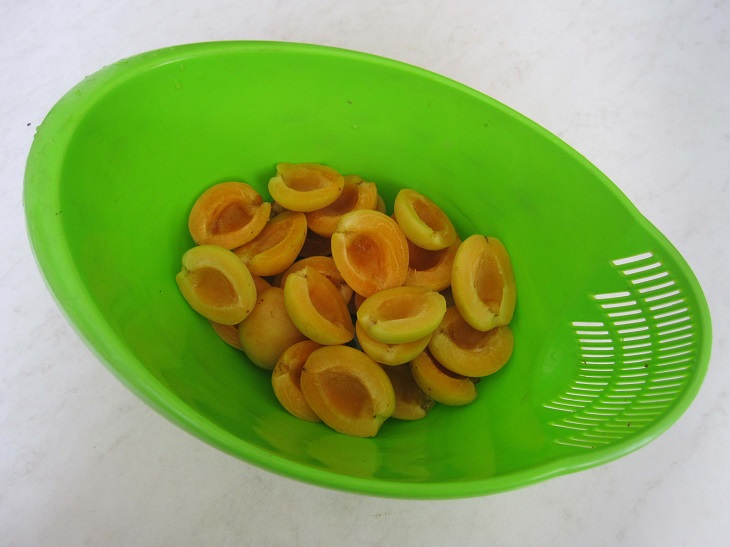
(640, 88)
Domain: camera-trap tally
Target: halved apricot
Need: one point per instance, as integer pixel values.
(324, 265)
(261, 283)
(268, 331)
(216, 284)
(286, 380)
(356, 194)
(401, 314)
(277, 246)
(316, 307)
(370, 251)
(467, 351)
(305, 186)
(411, 402)
(483, 283)
(348, 390)
(423, 222)
(315, 245)
(439, 383)
(227, 333)
(430, 269)
(389, 354)
(380, 205)
(228, 214)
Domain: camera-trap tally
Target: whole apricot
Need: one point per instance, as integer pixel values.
(348, 390)
(483, 283)
(268, 331)
(401, 314)
(305, 186)
(286, 377)
(277, 246)
(370, 251)
(423, 222)
(316, 307)
(216, 284)
(467, 351)
(439, 383)
(228, 214)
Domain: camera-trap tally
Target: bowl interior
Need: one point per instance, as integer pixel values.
(135, 144)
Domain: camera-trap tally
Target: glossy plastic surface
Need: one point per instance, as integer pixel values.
(119, 161)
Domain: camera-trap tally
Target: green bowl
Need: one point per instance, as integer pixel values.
(612, 329)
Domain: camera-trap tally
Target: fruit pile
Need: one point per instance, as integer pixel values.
(360, 316)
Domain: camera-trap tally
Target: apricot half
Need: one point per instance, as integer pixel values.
(305, 186)
(317, 308)
(277, 246)
(228, 214)
(467, 351)
(227, 333)
(439, 383)
(356, 194)
(483, 283)
(216, 284)
(370, 251)
(268, 331)
(401, 314)
(423, 222)
(389, 354)
(286, 377)
(324, 265)
(411, 402)
(348, 390)
(430, 269)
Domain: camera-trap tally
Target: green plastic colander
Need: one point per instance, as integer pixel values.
(612, 329)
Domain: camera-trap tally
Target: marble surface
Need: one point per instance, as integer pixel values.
(640, 88)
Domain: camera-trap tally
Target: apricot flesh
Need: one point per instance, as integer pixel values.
(316, 307)
(216, 284)
(228, 214)
(370, 251)
(439, 383)
(467, 351)
(356, 194)
(285, 380)
(389, 354)
(305, 187)
(430, 269)
(423, 222)
(411, 402)
(324, 265)
(268, 331)
(277, 246)
(348, 390)
(401, 314)
(483, 282)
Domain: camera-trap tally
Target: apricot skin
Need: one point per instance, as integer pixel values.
(348, 390)
(268, 331)
(467, 351)
(305, 187)
(370, 251)
(483, 283)
(442, 385)
(285, 380)
(228, 214)
(216, 284)
(227, 333)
